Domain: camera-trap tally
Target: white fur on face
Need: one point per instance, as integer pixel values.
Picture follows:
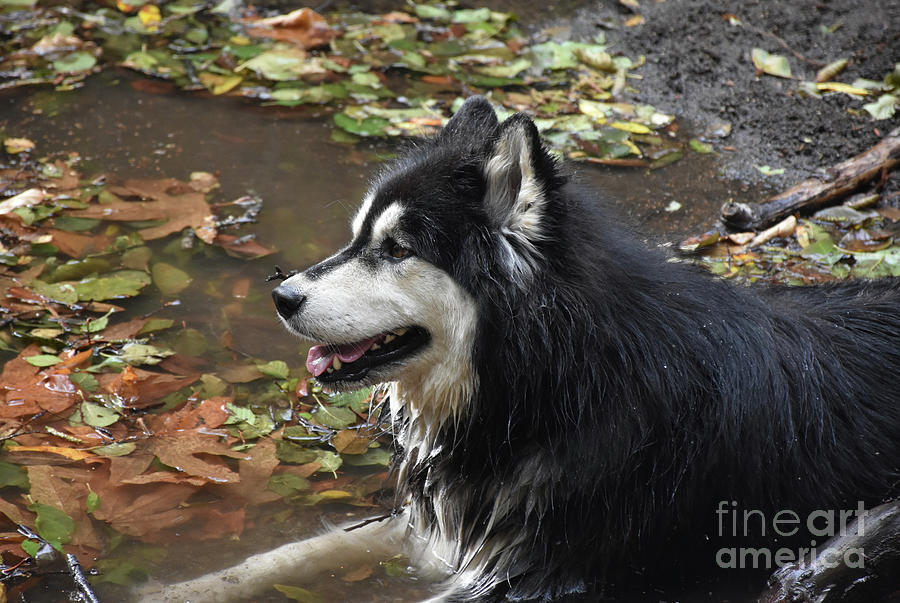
(357, 299)
(360, 217)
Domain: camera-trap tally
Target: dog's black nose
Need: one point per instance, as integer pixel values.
(287, 300)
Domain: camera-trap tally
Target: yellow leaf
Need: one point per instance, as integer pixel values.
(334, 494)
(634, 148)
(124, 6)
(631, 127)
(635, 20)
(17, 145)
(219, 84)
(150, 17)
(839, 87)
(69, 453)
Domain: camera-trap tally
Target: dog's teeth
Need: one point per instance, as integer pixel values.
(375, 346)
(330, 370)
(336, 363)
(389, 338)
(401, 332)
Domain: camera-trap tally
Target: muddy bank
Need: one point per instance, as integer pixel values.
(698, 67)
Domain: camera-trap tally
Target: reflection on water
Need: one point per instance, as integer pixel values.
(310, 186)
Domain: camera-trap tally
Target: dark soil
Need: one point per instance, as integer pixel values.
(699, 67)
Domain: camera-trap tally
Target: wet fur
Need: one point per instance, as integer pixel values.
(616, 397)
(621, 396)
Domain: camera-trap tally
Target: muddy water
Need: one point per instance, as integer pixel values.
(310, 186)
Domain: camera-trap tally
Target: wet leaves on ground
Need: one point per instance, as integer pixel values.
(381, 75)
(122, 424)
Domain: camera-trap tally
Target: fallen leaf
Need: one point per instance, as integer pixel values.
(772, 64)
(247, 246)
(170, 280)
(14, 146)
(180, 450)
(138, 388)
(168, 199)
(303, 27)
(70, 453)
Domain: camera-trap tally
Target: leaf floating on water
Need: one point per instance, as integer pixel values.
(170, 280)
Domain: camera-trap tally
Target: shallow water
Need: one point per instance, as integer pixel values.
(310, 185)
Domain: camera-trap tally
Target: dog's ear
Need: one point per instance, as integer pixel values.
(515, 192)
(475, 119)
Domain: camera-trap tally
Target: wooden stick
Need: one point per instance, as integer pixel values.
(874, 541)
(843, 178)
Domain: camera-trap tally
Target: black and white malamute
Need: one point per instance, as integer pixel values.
(568, 404)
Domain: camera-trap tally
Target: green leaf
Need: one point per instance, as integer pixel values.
(137, 258)
(883, 108)
(372, 456)
(436, 13)
(119, 449)
(93, 502)
(335, 417)
(73, 224)
(772, 64)
(13, 476)
(170, 280)
(156, 324)
(277, 369)
(85, 381)
(142, 353)
(768, 170)
(287, 484)
(279, 64)
(350, 398)
(31, 547)
(43, 360)
(295, 593)
(700, 147)
(75, 62)
(98, 416)
(474, 15)
(506, 70)
(370, 126)
(53, 525)
(124, 283)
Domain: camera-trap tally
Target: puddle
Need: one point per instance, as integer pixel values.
(310, 187)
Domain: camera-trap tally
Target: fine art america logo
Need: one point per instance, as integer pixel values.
(821, 524)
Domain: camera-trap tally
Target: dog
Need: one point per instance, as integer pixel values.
(567, 403)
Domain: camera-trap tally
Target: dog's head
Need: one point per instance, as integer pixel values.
(453, 217)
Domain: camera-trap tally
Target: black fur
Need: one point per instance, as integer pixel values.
(621, 397)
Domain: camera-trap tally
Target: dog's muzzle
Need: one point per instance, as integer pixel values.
(287, 301)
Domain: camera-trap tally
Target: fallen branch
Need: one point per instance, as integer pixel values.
(829, 578)
(843, 178)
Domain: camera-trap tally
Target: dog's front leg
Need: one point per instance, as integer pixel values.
(292, 563)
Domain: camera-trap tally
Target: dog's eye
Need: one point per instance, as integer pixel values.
(396, 250)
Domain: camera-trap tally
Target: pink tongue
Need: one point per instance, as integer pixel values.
(320, 356)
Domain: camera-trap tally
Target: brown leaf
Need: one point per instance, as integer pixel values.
(303, 27)
(255, 472)
(122, 330)
(66, 488)
(138, 388)
(15, 513)
(349, 441)
(25, 390)
(78, 245)
(242, 245)
(168, 199)
(181, 449)
(208, 414)
(240, 373)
